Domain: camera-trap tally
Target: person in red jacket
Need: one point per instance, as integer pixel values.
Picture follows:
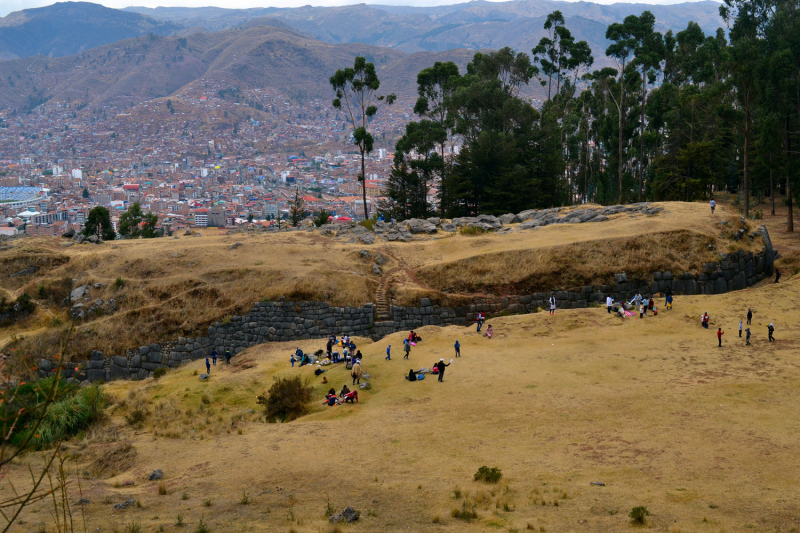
(720, 333)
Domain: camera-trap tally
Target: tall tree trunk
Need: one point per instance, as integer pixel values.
(619, 142)
(746, 173)
(788, 145)
(641, 137)
(364, 185)
(771, 185)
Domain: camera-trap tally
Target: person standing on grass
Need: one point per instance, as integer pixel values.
(771, 330)
(749, 316)
(479, 320)
(777, 274)
(553, 304)
(291, 359)
(355, 372)
(720, 333)
(389, 353)
(214, 357)
(644, 305)
(406, 348)
(609, 303)
(713, 205)
(740, 329)
(641, 311)
(458, 348)
(747, 338)
(441, 366)
(227, 357)
(208, 367)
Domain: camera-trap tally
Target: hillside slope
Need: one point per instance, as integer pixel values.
(474, 25)
(67, 28)
(134, 70)
(651, 409)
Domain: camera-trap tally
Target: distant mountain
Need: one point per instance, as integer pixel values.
(70, 27)
(259, 56)
(474, 25)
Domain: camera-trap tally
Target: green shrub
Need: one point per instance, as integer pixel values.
(286, 399)
(466, 513)
(639, 514)
(321, 218)
(488, 475)
(136, 418)
(472, 230)
(227, 319)
(119, 283)
(159, 373)
(370, 222)
(71, 414)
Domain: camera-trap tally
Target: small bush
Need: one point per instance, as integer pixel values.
(457, 493)
(472, 230)
(136, 418)
(202, 527)
(466, 513)
(208, 502)
(639, 514)
(436, 519)
(488, 475)
(179, 521)
(185, 496)
(245, 499)
(321, 218)
(227, 319)
(286, 399)
(370, 222)
(159, 373)
(133, 527)
(119, 283)
(330, 510)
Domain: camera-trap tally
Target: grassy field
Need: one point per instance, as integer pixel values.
(178, 287)
(704, 437)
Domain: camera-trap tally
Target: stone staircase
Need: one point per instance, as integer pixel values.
(383, 307)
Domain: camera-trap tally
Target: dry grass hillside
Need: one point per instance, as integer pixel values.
(178, 287)
(704, 437)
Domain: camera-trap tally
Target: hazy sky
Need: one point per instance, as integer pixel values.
(7, 6)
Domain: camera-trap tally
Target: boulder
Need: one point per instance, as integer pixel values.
(203, 377)
(155, 475)
(350, 514)
(449, 228)
(434, 220)
(508, 218)
(94, 239)
(79, 293)
(336, 518)
(70, 233)
(79, 238)
(367, 238)
(364, 254)
(376, 269)
(621, 278)
(234, 246)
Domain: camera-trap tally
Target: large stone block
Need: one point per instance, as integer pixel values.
(119, 372)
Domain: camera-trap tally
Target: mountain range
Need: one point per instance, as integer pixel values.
(263, 54)
(87, 54)
(474, 25)
(70, 27)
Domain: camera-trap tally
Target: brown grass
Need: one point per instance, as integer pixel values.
(571, 266)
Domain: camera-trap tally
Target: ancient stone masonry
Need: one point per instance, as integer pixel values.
(289, 321)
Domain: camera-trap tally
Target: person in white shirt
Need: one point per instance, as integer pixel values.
(553, 304)
(609, 303)
(713, 205)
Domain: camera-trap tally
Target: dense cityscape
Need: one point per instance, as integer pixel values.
(195, 159)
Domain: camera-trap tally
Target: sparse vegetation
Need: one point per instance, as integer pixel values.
(488, 475)
(639, 514)
(466, 512)
(286, 400)
(158, 373)
(472, 230)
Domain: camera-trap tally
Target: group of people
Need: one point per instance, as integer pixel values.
(437, 368)
(213, 360)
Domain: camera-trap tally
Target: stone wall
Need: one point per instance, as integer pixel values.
(289, 321)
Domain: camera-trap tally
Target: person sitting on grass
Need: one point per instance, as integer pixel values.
(331, 398)
(344, 391)
(489, 331)
(412, 376)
